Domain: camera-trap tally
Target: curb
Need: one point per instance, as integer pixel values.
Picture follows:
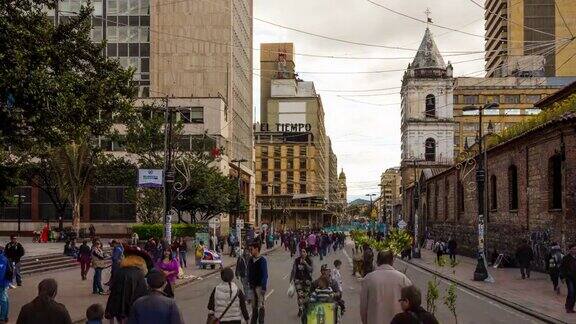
(541, 316)
(193, 280)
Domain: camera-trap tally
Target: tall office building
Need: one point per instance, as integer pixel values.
(530, 37)
(293, 152)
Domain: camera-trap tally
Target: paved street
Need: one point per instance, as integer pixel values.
(471, 307)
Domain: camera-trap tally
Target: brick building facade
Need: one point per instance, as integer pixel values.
(530, 187)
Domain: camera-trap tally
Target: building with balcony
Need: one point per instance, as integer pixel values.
(390, 192)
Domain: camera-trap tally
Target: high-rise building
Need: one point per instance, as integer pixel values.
(390, 192)
(530, 37)
(293, 152)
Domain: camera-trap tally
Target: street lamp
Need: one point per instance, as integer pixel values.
(19, 197)
(481, 272)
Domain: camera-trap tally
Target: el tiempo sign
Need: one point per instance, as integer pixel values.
(285, 127)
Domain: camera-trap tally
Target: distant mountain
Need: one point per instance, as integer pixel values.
(359, 201)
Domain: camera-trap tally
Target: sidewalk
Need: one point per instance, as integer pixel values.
(534, 295)
(77, 295)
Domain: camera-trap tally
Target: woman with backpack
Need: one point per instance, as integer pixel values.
(553, 262)
(227, 304)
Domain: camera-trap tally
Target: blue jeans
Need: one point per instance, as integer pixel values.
(17, 275)
(183, 259)
(97, 282)
(4, 304)
(571, 294)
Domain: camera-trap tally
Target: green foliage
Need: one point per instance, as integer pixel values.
(110, 170)
(210, 192)
(396, 241)
(450, 300)
(56, 86)
(149, 205)
(432, 295)
(554, 112)
(441, 261)
(146, 231)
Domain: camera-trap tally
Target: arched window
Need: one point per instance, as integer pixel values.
(493, 193)
(430, 150)
(513, 187)
(555, 182)
(430, 106)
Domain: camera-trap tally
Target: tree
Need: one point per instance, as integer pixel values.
(209, 194)
(73, 164)
(57, 89)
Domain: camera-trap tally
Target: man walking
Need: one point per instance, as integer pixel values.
(258, 278)
(155, 308)
(14, 251)
(568, 271)
(381, 290)
(553, 263)
(452, 246)
(524, 255)
(44, 309)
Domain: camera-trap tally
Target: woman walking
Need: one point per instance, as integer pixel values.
(84, 257)
(302, 277)
(98, 264)
(182, 251)
(169, 265)
(227, 304)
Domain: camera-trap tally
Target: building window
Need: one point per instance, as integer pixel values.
(493, 99)
(446, 191)
(303, 152)
(277, 189)
(111, 203)
(430, 106)
(264, 176)
(194, 115)
(264, 189)
(555, 182)
(303, 163)
(532, 98)
(289, 163)
(290, 188)
(471, 100)
(290, 176)
(430, 149)
(436, 196)
(455, 99)
(290, 152)
(512, 111)
(303, 188)
(264, 150)
(9, 211)
(532, 111)
(276, 176)
(460, 199)
(277, 151)
(493, 193)
(264, 164)
(512, 99)
(513, 187)
(302, 176)
(277, 164)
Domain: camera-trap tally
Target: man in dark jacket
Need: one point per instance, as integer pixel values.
(452, 246)
(44, 309)
(568, 271)
(524, 255)
(413, 313)
(258, 278)
(14, 251)
(155, 308)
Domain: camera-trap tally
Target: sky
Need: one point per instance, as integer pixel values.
(365, 126)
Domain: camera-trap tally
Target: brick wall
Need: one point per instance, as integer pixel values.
(533, 219)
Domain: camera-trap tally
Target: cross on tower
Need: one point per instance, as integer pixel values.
(428, 19)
